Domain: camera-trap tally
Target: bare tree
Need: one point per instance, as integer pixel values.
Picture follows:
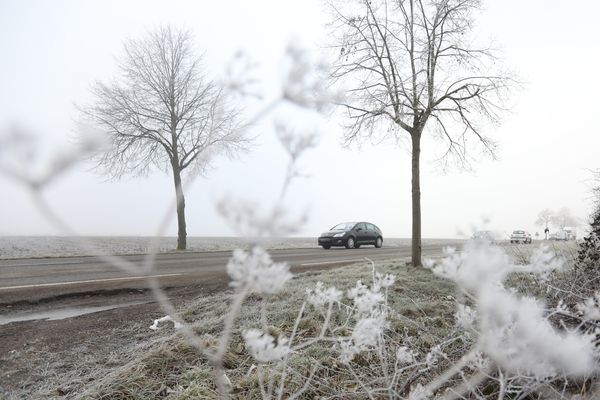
(162, 112)
(543, 219)
(410, 66)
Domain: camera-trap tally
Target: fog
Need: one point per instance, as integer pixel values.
(53, 52)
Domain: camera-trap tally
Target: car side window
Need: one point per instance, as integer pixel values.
(371, 227)
(362, 226)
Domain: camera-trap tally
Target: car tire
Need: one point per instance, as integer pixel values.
(350, 243)
(326, 246)
(378, 242)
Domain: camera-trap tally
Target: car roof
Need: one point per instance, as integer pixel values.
(356, 222)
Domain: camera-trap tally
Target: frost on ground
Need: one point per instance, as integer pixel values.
(181, 372)
(64, 246)
(363, 331)
(388, 330)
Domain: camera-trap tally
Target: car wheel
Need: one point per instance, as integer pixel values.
(350, 243)
(379, 242)
(326, 246)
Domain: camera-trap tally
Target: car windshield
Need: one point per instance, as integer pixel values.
(518, 232)
(345, 226)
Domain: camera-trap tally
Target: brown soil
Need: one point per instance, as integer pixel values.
(58, 359)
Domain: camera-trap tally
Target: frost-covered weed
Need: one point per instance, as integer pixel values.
(255, 271)
(305, 80)
(320, 295)
(404, 355)
(264, 347)
(589, 308)
(465, 316)
(503, 336)
(516, 333)
(383, 281)
(366, 300)
(366, 332)
(515, 330)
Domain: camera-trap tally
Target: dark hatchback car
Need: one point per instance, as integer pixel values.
(352, 235)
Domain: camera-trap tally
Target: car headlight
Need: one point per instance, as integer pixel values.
(339, 234)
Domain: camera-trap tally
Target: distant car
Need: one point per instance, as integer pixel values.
(352, 235)
(559, 235)
(484, 235)
(520, 236)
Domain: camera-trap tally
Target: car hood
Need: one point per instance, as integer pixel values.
(331, 233)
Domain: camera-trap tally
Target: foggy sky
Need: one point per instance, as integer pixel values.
(52, 53)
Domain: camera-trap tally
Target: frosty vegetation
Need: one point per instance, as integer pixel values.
(508, 341)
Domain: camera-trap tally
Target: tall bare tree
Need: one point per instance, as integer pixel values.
(412, 70)
(163, 112)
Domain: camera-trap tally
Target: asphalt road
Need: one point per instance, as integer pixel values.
(34, 279)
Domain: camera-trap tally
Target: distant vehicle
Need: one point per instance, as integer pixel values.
(520, 236)
(352, 235)
(563, 234)
(558, 236)
(484, 235)
(571, 233)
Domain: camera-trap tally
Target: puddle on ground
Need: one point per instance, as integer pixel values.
(63, 313)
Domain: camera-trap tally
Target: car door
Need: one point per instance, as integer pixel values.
(372, 233)
(362, 234)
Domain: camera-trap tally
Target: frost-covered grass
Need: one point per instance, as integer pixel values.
(65, 246)
(385, 331)
(423, 306)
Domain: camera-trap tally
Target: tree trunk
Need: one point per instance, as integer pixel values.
(181, 232)
(416, 199)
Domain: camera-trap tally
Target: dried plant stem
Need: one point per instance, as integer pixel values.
(236, 305)
(435, 384)
(284, 365)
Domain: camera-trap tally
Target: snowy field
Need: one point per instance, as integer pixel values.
(59, 246)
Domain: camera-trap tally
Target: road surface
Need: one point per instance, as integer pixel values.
(34, 279)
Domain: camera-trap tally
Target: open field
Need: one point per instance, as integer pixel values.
(64, 246)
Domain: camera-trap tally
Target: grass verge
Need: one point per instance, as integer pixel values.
(423, 308)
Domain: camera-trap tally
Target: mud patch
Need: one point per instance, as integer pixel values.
(63, 313)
